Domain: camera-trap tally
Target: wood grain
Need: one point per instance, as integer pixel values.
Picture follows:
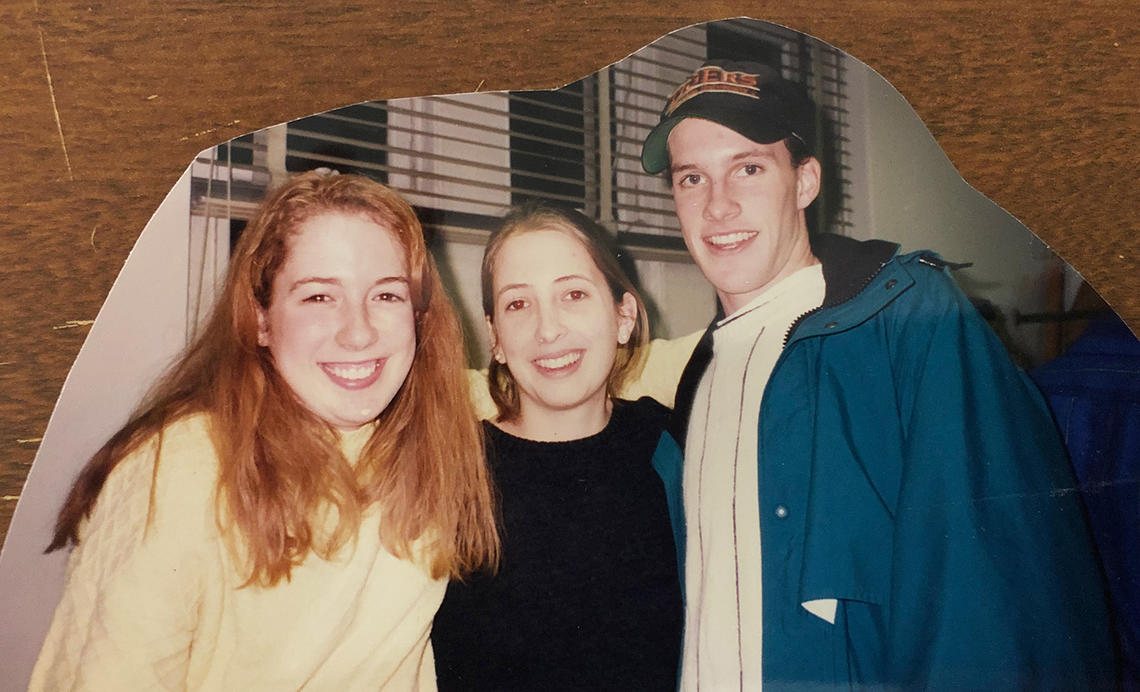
(1034, 102)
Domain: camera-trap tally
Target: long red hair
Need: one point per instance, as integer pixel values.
(280, 465)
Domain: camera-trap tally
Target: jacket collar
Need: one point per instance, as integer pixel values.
(848, 266)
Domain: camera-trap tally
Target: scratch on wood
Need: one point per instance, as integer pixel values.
(72, 324)
(7, 362)
(10, 498)
(481, 83)
(93, 229)
(29, 440)
(55, 110)
(206, 132)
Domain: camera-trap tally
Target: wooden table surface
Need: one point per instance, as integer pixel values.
(105, 103)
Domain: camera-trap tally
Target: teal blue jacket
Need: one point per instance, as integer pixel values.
(909, 470)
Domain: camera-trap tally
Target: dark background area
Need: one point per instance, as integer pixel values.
(1035, 103)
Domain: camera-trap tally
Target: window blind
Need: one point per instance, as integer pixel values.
(462, 160)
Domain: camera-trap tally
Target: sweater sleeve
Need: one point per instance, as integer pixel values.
(994, 582)
(128, 615)
(480, 394)
(665, 360)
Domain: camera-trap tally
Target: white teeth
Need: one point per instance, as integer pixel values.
(560, 362)
(352, 372)
(730, 238)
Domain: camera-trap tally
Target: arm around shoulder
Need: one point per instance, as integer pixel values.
(665, 360)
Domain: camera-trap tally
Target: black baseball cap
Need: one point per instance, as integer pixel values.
(748, 97)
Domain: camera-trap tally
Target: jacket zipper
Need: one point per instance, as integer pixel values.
(866, 282)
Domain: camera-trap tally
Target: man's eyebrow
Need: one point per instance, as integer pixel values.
(739, 156)
(754, 154)
(678, 167)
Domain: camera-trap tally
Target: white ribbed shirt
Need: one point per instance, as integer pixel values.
(723, 611)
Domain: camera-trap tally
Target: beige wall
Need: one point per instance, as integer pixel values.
(916, 197)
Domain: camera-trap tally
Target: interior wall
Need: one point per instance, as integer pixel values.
(459, 266)
(680, 300)
(916, 197)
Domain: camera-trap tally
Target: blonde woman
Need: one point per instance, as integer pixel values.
(587, 595)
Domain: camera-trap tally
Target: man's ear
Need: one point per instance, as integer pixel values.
(496, 352)
(262, 327)
(807, 182)
(626, 317)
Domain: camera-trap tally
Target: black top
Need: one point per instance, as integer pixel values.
(587, 595)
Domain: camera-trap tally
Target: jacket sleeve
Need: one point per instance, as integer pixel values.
(994, 584)
(128, 614)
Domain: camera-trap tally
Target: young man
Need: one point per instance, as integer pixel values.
(864, 489)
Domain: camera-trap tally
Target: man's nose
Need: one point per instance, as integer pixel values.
(720, 204)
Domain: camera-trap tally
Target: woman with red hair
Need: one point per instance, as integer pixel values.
(287, 506)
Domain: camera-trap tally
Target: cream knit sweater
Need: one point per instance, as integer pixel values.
(157, 605)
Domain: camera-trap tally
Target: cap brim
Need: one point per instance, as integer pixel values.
(655, 151)
(760, 122)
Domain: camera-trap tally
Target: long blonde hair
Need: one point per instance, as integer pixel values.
(280, 465)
